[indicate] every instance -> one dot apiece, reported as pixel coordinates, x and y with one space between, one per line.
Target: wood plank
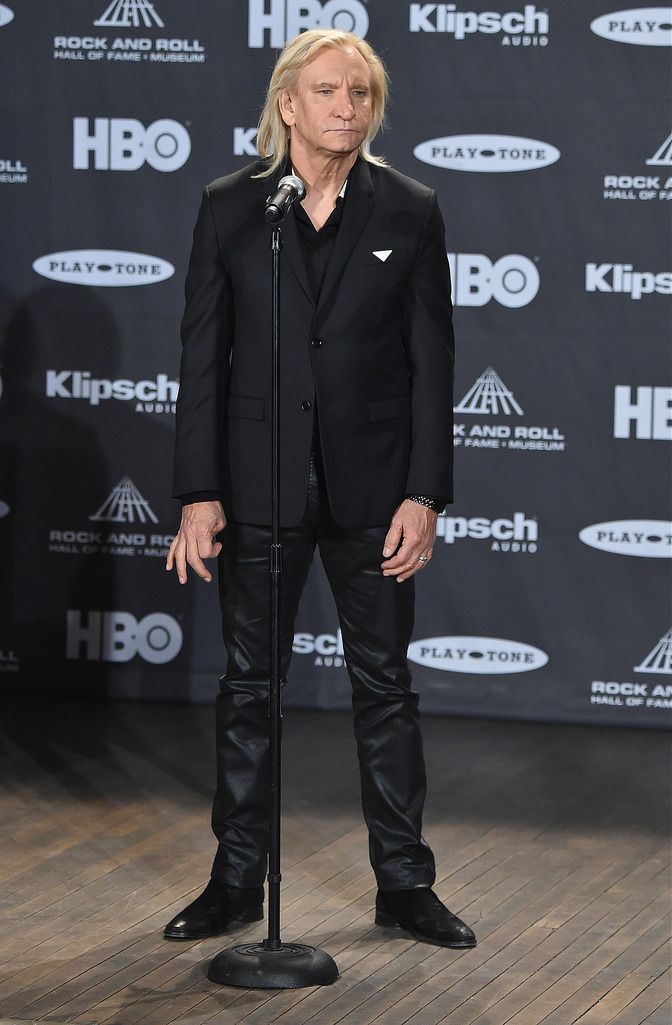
563 881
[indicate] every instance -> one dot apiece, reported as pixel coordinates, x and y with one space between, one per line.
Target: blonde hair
273 133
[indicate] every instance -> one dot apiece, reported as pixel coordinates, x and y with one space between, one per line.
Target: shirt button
316 343
306 406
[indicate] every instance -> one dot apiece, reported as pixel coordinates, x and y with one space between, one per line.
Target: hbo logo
119 636
124 144
513 280
284 19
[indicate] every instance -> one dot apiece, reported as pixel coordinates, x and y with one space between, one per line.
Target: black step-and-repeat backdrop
545 129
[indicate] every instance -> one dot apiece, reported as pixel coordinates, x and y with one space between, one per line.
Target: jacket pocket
247 407
396 408
399 255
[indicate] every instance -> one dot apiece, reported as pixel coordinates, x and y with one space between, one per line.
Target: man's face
329 109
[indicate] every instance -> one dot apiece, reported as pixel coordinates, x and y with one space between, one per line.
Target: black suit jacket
374 355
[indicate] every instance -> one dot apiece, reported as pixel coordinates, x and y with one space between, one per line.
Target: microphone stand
273 964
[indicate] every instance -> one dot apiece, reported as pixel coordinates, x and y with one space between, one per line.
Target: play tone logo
646 539
487 153
119 637
124 144
273 22
644 412
109 268
124 507
489 396
485 656
157 396
643 186
528 27
516 535
642 694
512 280
641 26
127 16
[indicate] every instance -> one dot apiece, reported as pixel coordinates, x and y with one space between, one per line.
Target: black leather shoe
420 912
217 909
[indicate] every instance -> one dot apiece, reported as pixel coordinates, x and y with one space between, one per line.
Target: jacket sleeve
428 338
207 335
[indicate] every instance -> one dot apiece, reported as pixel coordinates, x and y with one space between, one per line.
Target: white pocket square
382 254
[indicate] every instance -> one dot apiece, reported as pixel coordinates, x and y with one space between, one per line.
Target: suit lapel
292 249
357 209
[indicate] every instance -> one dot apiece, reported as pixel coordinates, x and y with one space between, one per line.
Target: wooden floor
552 842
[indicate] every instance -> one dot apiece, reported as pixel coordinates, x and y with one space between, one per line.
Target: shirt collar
341 194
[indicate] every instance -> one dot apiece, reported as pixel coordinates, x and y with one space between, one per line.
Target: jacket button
316 343
306 406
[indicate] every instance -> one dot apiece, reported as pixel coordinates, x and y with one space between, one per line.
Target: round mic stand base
256 966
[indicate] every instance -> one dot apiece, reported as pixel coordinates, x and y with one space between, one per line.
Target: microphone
289 188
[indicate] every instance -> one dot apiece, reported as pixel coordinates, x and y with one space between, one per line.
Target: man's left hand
411 537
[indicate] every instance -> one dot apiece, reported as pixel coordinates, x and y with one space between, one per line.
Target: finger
413 569
407 561
392 539
195 561
405 557
181 558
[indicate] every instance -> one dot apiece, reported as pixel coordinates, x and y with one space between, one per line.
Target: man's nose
344 107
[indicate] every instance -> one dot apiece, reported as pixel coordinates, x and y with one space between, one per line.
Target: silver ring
422 558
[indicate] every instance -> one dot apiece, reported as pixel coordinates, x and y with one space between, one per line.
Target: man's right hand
195 540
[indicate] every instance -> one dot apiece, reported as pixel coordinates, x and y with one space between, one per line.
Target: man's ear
286 108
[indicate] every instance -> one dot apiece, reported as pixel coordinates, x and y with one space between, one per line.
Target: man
366 428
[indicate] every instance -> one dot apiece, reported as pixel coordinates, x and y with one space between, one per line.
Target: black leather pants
376 618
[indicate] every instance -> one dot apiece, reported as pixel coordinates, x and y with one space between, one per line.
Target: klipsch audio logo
273 22
512 280
648 539
643 26
648 694
528 27
489 153
520 533
623 278
6 15
107 267
489 396
486 656
648 411
126 510
124 144
13 172
326 650
128 16
643 186
150 396
244 142
119 637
